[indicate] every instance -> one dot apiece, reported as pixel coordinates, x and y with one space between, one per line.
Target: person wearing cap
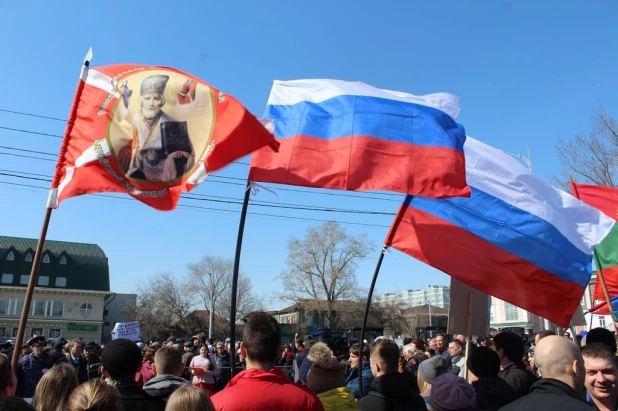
492 392
120 361
31 367
145 157
92 359
187 356
327 379
57 355
389 389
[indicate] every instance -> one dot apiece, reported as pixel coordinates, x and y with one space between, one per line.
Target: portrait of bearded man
160 149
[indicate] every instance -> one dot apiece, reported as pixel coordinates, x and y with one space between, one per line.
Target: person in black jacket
120 361
561 364
57 355
389 389
92 359
492 392
79 363
510 348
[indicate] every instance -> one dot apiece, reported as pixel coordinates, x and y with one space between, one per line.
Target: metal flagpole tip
88 57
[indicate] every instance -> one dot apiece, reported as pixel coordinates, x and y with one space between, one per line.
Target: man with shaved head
561 365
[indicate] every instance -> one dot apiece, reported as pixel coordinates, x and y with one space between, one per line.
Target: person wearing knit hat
428 371
492 392
327 379
120 361
450 392
316 353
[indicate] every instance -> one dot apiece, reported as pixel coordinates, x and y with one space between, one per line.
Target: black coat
81 368
389 391
493 393
519 378
550 394
133 398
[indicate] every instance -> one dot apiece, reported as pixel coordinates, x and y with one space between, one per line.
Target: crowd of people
499 373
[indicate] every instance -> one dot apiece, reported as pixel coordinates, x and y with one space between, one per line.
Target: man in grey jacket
168 367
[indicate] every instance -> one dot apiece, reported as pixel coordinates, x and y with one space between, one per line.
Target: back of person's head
9 403
8 382
95 395
189 398
511 345
543 334
318 351
355 350
326 374
559 358
602 335
429 370
384 357
150 354
53 391
168 360
261 337
121 358
452 393
484 362
419 344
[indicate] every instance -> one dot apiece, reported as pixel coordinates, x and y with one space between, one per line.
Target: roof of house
81 253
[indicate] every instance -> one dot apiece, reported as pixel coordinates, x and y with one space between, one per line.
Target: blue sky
526 71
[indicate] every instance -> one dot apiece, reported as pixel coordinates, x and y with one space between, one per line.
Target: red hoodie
257 390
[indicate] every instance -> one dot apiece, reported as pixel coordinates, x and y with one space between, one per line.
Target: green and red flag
604 199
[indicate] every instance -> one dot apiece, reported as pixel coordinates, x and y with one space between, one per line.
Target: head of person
299 344
602 335
429 370
202 350
261 339
430 352
326 374
539 336
483 362
308 344
150 354
441 342
151 95
189 398
53 391
601 372
8 381
560 359
408 351
95 395
11 403
121 359
455 348
37 345
432 344
220 348
168 361
566 334
510 347
461 338
355 356
384 358
418 344
450 392
76 348
318 351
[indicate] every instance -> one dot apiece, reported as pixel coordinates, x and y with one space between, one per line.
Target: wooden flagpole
468 336
241 230
34 272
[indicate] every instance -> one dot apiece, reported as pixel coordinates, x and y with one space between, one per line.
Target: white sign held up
130 331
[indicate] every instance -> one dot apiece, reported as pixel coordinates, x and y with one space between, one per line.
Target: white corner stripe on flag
319 90
502 176
198 175
100 80
88 156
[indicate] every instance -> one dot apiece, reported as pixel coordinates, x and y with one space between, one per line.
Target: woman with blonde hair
95 395
428 371
316 353
189 398
53 391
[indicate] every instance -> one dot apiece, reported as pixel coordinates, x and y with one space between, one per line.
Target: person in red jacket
262 386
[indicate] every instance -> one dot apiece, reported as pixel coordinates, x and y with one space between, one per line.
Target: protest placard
130 331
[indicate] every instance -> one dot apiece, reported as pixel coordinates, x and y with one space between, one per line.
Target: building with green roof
69 299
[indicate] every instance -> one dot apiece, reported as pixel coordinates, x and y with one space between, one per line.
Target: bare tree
210 277
162 302
321 268
391 317
590 158
246 299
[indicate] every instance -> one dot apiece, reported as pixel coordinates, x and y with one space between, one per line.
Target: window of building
46 259
24 279
43 280
10 306
55 308
10 256
61 281
601 321
39 308
29 257
511 312
86 309
7 278
36 332
63 259
3 333
14 332
4 306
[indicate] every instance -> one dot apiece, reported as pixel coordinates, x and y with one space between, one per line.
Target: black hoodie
550 394
389 390
493 393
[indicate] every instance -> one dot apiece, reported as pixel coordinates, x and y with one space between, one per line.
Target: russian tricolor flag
351 136
515 237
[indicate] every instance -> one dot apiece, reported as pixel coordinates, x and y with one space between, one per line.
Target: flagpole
241 230
468 336
365 316
38 254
